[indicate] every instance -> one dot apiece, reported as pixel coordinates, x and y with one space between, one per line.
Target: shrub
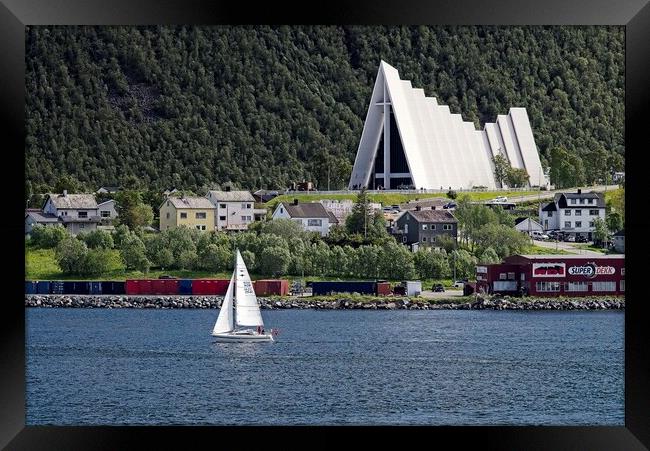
47 237
452 194
70 255
97 239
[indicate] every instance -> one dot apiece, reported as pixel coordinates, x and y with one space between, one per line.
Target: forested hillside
192 107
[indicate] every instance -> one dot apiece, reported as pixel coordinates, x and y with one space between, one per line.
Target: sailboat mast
234 296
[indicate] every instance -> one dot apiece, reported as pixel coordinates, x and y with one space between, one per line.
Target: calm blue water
106 367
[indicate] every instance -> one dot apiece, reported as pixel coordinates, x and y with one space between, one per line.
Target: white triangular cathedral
410 140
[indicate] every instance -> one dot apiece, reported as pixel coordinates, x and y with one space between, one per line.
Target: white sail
225 319
247 309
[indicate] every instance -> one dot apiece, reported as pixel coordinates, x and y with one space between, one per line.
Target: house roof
333 219
432 216
77 201
40 217
106 202
109 188
232 196
550 207
519 220
424 203
306 210
191 202
563 200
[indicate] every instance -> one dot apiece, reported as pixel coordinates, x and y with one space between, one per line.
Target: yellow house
193 212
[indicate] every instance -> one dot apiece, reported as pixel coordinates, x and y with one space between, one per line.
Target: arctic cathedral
408 139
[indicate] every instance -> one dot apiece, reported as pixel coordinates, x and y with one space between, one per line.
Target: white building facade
409 140
312 216
235 209
573 213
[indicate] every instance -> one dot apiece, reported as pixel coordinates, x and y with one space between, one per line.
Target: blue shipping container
185 286
30 287
43 287
68 287
56 287
81 288
112 287
362 287
95 287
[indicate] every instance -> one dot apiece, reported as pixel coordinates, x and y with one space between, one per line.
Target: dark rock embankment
332 303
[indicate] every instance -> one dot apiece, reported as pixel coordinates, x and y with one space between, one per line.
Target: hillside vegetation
192 107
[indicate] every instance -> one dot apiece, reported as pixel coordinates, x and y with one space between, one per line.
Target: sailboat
240 310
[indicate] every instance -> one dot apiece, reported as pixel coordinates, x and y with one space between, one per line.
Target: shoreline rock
338 303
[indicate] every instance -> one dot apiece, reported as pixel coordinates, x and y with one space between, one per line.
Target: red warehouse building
554 275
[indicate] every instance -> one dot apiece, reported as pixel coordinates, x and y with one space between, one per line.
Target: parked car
165 276
449 205
500 199
458 284
438 288
537 235
570 238
581 239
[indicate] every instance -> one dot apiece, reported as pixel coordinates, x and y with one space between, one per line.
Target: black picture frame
633 14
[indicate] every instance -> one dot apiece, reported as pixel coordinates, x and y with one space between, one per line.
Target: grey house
424 227
77 212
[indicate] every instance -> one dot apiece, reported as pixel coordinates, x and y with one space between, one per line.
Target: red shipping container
383 289
278 287
138 286
164 286
210 286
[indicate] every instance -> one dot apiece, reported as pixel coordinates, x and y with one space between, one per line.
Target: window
603 286
590 201
314 222
591 224
222 218
222 205
167 215
578 224
573 201
567 212
406 228
183 215
549 214
432 226
403 238
511 276
83 214
243 206
622 285
82 226
577 286
447 227
547 286
105 214
424 239
281 210
593 212
567 224
503 276
582 201
243 218
248 205
249 218
578 212
201 215
424 226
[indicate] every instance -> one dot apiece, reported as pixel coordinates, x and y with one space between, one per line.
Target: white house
77 212
573 213
527 225
342 208
107 210
235 209
311 215
34 216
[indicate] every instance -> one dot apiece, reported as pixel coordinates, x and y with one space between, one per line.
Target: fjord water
443 367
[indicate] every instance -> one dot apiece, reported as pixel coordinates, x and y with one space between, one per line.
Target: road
567 246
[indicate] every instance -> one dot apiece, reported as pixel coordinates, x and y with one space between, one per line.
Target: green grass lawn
392 198
537 250
590 247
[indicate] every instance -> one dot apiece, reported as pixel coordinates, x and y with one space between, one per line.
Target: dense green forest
195 107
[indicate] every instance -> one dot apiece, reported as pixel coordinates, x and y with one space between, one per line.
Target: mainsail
225 319
247 309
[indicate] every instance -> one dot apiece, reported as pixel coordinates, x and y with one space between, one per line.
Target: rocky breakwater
332 303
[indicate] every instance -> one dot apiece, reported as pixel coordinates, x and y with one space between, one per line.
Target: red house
554 275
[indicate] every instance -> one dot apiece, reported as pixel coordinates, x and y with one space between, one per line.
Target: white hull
229 337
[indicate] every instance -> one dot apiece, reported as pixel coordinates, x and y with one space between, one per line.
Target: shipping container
95 287
164 286
43 287
30 287
413 288
361 287
216 287
110 287
79 287
138 286
185 286
57 287
267 287
383 288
